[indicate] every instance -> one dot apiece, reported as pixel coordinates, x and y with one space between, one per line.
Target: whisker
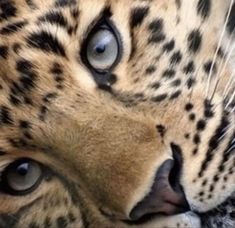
218 47
229 85
230 100
223 66
227 130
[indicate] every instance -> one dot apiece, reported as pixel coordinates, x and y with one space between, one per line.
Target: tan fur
108 152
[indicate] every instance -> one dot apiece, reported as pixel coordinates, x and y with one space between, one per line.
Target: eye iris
21 176
102 50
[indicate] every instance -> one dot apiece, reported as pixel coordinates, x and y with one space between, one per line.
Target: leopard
117 113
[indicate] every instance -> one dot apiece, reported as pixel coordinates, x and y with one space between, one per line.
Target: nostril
174 177
166 196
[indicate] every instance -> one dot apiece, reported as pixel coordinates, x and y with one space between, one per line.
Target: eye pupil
23 169
100 49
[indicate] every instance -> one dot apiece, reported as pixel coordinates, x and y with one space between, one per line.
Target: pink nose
166 196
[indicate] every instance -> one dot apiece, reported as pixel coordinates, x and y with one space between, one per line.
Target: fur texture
101 140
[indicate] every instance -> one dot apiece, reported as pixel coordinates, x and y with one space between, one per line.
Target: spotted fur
102 141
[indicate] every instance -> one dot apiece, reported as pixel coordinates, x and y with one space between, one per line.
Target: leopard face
116 113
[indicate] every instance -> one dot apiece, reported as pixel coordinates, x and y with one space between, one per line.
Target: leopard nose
166 196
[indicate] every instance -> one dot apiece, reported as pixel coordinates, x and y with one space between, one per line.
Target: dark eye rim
106 24
4 185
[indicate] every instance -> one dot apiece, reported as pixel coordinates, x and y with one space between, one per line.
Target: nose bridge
118 160
116 152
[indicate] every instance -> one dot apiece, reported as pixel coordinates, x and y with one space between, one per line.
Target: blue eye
102 50
21 176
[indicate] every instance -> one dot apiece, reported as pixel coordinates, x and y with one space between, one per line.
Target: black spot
204 183
221 53
176 83
16 47
28 100
156 26
208 109
56 69
188 107
169 46
195 151
168 73
14 100
161 130
203 8
201 193
178 3
189 68
16 89
56 18
61 222
139 95
27 75
5 115
156 38
209 66
46 41
24 66
71 217
64 3
27 135
214 142
190 82
194 41
27 82
24 124
156 85
137 16
227 154
12 28
48 97
61 87
215 179
192 116
3 51
175 95
176 58
151 69
196 139
43 111
159 98
201 125
7 9
157 34
31 4
75 13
